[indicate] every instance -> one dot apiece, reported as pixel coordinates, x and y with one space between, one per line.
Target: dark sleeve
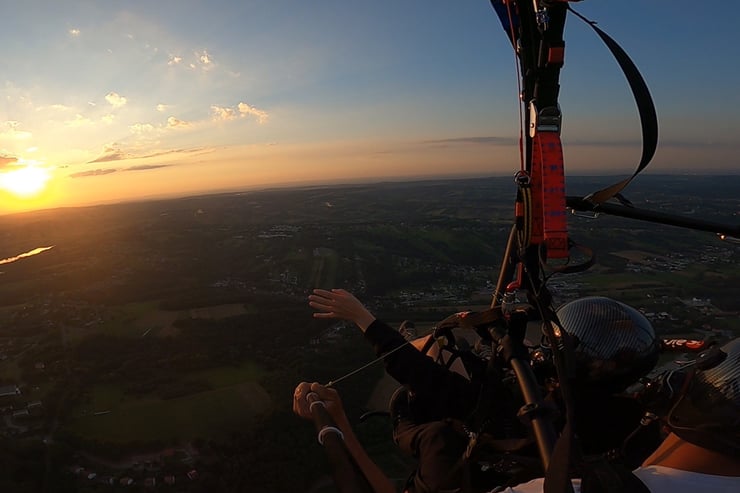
451 392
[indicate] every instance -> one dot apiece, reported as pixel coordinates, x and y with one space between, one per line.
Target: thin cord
519 86
357 370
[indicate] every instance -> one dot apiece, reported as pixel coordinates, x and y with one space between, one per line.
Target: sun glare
25 182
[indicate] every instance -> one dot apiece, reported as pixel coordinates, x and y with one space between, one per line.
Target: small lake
30 253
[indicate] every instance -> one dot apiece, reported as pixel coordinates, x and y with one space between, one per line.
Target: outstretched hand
341 304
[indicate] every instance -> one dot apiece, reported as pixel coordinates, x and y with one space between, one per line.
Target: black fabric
438 446
438 392
604 421
429 412
605 477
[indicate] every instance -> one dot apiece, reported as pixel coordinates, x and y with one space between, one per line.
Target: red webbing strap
534 211
548 180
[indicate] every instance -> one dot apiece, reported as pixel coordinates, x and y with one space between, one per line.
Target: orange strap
549 220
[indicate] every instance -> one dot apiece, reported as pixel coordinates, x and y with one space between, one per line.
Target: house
109 480
9 390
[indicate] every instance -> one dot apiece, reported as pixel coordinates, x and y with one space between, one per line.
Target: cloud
111 152
162 107
221 113
74 32
194 150
205 60
115 99
476 140
93 172
12 132
173 122
174 60
7 161
245 109
55 107
144 167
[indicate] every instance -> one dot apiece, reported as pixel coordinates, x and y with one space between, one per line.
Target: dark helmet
614 344
707 412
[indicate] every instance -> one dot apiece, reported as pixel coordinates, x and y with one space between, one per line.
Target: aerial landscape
159 341
181 181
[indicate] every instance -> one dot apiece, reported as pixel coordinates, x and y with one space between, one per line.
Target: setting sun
25 182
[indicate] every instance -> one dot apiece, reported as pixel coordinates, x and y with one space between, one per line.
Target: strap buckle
548 119
585 214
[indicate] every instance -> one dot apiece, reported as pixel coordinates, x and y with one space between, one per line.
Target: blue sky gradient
120 100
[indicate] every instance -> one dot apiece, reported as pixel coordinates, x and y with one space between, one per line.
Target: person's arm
453 394
379 482
340 304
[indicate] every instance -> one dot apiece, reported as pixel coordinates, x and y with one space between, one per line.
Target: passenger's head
614 344
707 410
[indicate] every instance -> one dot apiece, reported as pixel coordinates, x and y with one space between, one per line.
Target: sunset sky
119 100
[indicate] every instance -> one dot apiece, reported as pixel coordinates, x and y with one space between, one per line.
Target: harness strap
645 107
549 178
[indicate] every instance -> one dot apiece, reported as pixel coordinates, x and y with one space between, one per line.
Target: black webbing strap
645 107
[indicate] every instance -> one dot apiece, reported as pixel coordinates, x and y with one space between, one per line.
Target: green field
232 404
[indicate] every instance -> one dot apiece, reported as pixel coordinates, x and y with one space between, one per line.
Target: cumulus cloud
13 132
173 122
93 172
223 113
74 32
246 110
115 99
108 119
162 107
204 59
174 60
242 110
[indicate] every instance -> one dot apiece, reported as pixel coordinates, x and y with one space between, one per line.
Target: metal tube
544 431
579 204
